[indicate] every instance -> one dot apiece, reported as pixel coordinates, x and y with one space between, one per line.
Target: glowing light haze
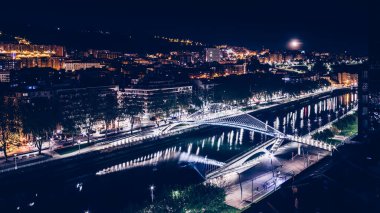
294 44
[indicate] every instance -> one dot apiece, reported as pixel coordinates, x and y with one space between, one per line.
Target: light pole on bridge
151 192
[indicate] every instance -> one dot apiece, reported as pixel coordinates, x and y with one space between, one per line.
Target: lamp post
15 161
151 192
79 146
241 187
252 190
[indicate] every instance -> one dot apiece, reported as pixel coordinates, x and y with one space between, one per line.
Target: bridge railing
236 157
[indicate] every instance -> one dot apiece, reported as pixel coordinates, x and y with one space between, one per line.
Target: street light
78 146
151 192
15 161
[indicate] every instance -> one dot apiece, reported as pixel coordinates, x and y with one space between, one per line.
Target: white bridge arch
229 116
226 115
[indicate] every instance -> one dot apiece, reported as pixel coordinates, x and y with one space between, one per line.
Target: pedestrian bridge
252 156
245 160
225 115
237 120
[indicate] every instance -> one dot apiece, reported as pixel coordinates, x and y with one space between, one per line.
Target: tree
161 107
194 198
38 120
71 115
183 102
91 106
319 67
110 110
168 107
131 108
9 124
196 100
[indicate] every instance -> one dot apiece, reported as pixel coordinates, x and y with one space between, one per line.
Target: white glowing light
294 44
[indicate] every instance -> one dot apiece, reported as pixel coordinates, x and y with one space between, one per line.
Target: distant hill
86 39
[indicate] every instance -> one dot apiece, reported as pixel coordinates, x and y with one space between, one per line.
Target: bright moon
294 44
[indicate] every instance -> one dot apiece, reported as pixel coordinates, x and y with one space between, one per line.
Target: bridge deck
238 161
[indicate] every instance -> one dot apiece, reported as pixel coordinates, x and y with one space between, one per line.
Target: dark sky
335 25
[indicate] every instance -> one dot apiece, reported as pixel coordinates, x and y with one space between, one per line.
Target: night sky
332 25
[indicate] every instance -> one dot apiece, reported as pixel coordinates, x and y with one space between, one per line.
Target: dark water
116 186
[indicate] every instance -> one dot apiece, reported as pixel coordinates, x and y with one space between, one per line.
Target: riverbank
172 161
146 136
338 130
266 177
345 182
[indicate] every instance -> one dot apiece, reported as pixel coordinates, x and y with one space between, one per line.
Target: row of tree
35 120
239 89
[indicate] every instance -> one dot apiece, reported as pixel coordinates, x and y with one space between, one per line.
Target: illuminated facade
25 50
154 93
4 76
348 79
53 62
25 55
7 63
213 55
234 69
77 65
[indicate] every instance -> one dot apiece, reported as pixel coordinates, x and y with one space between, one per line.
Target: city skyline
336 26
189 106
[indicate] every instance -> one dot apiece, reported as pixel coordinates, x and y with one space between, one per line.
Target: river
182 160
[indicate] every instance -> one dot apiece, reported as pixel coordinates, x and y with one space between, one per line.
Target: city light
185 112
294 44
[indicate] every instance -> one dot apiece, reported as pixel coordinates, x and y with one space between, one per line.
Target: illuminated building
143 61
153 92
213 55
234 69
4 76
53 62
264 59
276 58
25 55
369 92
348 79
104 54
186 59
7 63
78 65
25 50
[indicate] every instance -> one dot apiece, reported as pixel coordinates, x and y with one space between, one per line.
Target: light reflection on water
180 161
229 142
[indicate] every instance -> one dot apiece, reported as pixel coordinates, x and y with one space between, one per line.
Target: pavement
256 183
267 176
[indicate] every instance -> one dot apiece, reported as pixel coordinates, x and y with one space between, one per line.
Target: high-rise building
4 76
369 89
78 65
7 63
213 55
